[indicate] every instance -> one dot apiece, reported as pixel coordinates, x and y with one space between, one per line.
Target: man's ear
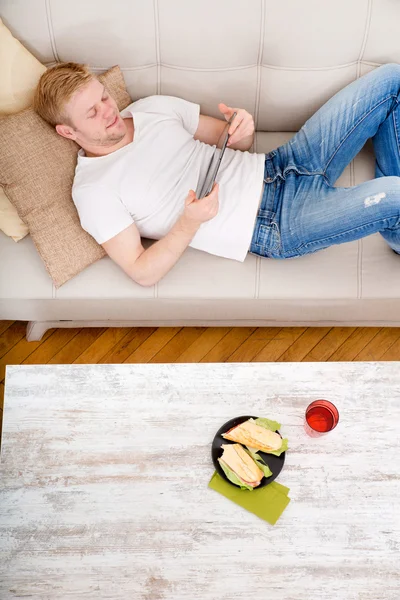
66 131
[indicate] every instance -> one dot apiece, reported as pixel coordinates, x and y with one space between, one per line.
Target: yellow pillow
20 72
10 223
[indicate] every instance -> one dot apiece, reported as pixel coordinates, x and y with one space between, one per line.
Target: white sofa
280 61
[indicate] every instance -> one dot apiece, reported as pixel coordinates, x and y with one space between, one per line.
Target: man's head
73 100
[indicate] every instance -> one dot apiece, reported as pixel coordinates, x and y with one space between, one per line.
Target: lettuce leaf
233 477
283 448
259 462
267 423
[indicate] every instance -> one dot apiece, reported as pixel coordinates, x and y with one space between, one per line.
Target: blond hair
56 87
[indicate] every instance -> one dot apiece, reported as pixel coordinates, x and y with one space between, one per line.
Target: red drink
322 416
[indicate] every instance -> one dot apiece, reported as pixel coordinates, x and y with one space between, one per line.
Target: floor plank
49 348
132 340
329 344
178 344
228 344
393 353
11 336
206 342
153 344
76 345
279 344
254 344
355 343
377 347
5 325
102 345
304 344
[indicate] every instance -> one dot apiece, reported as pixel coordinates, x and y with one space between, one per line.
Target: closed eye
95 112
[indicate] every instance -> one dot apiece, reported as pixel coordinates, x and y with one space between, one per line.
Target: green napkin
268 502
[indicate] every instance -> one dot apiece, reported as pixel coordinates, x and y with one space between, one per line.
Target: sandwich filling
240 462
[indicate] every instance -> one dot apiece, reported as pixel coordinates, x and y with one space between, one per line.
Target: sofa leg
35 330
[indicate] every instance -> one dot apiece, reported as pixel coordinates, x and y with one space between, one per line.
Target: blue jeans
301 211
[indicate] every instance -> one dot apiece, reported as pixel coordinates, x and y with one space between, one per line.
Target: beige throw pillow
37 168
20 72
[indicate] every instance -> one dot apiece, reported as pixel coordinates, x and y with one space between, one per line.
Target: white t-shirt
147 181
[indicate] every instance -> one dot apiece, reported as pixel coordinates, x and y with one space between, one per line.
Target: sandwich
239 466
254 436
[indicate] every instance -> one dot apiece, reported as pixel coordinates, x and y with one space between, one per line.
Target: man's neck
103 150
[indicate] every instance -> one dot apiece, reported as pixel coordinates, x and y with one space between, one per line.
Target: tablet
211 174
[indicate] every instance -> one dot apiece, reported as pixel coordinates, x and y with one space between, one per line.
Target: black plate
275 463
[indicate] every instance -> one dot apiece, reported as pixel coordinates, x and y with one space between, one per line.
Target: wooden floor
194 344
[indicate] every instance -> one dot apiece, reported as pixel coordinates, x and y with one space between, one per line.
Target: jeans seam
351 131
395 131
306 174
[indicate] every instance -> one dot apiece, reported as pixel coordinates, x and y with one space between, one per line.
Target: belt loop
269 168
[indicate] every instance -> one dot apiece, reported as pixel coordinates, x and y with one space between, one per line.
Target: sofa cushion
19 73
380 265
37 168
22 272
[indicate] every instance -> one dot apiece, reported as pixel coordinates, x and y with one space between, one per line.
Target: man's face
94 117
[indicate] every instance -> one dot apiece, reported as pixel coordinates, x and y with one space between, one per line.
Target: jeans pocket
269 238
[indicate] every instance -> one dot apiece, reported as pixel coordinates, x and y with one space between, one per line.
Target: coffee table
104 474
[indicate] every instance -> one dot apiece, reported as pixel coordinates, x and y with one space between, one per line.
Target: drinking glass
321 416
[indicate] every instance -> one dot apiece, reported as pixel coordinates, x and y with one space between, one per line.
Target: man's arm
209 129
147 267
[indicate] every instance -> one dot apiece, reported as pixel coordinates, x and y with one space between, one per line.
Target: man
134 171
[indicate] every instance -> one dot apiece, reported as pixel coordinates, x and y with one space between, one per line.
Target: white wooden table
104 477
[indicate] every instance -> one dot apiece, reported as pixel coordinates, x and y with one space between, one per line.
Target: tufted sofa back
279 60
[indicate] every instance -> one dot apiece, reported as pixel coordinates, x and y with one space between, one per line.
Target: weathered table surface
104 474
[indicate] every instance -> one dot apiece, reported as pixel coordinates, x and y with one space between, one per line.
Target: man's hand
241 129
198 211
